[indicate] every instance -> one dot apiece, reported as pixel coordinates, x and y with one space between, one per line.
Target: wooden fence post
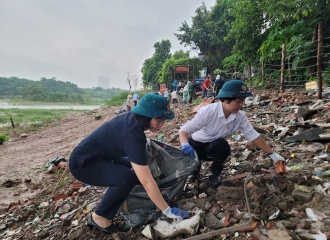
319 58
12 122
283 67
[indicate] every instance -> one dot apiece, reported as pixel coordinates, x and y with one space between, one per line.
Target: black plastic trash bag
170 170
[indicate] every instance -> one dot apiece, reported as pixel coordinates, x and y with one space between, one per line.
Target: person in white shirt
136 98
206 133
166 93
174 97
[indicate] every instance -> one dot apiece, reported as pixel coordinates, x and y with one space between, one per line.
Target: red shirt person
206 84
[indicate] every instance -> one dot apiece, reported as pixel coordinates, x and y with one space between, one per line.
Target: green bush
3 138
121 98
118 100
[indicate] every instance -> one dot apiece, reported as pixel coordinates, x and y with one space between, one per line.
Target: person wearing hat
114 156
206 133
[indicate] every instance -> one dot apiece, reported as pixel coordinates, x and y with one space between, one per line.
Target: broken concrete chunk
302 193
312 134
305 113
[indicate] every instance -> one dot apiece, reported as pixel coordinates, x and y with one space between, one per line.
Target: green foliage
326 75
10 86
151 67
197 101
52 90
53 85
121 98
220 72
168 68
207 34
180 54
3 138
239 34
257 83
118 100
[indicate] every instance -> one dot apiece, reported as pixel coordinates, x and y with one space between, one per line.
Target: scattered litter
311 215
275 214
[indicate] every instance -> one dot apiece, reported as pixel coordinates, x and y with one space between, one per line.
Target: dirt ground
23 159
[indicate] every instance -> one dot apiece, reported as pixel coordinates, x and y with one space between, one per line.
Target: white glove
276 157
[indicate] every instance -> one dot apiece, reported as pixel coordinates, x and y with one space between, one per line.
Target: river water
6 105
72 107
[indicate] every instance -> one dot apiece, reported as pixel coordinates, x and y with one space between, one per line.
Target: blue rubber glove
188 150
176 213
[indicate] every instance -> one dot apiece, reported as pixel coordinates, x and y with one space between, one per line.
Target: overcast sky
79 40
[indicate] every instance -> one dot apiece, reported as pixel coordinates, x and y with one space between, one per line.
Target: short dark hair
228 99
143 120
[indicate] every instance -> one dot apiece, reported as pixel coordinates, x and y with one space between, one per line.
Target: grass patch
22 116
30 119
121 98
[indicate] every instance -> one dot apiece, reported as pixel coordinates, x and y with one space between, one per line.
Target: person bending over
114 156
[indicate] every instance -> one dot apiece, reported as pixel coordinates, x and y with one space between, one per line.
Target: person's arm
211 85
263 145
144 175
183 137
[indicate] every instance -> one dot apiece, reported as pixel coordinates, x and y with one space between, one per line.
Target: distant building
103 82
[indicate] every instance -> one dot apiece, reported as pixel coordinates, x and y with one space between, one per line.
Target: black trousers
115 174
216 151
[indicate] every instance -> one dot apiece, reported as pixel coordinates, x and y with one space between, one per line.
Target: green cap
234 89
154 105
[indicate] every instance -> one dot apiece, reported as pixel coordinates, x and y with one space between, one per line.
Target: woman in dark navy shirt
114 156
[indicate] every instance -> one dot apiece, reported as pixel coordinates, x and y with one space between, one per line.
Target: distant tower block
103 82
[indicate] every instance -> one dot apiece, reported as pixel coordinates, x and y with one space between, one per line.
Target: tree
180 54
152 67
34 92
247 33
130 81
207 33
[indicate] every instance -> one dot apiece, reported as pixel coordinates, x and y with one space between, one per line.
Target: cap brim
168 116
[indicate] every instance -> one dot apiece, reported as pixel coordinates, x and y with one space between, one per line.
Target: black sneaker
215 179
108 230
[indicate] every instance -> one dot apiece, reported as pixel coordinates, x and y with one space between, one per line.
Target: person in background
129 102
136 98
191 88
206 85
174 85
166 93
206 133
114 156
185 93
218 83
174 97
179 86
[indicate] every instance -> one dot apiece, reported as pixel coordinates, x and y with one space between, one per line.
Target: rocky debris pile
294 205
